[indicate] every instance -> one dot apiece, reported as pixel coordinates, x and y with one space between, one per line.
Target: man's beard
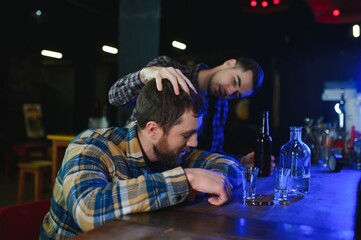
164 155
210 90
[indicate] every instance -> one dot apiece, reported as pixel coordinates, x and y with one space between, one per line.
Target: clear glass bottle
296 155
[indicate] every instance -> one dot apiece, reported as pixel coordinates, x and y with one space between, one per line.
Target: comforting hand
207 181
248 160
174 75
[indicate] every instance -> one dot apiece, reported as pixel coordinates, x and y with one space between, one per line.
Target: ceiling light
179 45
111 50
52 54
356 31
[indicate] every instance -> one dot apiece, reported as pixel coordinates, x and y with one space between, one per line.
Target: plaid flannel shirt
104 176
127 88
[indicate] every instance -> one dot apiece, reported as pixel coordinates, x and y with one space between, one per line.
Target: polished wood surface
326 212
58 146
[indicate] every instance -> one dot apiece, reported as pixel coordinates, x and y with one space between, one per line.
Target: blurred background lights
179 45
109 49
339 112
264 4
38 12
52 54
356 31
336 12
337 108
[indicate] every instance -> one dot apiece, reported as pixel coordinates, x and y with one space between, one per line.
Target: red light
253 3
276 2
336 12
264 4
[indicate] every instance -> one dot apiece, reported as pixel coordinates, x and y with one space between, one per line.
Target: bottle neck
264 128
295 133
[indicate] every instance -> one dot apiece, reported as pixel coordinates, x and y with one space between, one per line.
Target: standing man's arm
126 89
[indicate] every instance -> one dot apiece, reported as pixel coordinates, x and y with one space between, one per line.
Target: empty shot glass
249 176
281 177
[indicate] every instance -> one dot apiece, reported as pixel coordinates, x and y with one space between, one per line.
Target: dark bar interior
306 48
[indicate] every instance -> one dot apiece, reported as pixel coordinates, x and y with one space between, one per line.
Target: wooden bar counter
326 212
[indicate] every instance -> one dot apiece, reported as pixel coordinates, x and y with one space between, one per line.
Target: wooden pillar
85 63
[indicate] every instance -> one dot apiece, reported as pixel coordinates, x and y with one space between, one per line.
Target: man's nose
231 90
192 141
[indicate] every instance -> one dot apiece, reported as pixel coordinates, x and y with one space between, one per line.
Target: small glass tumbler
249 176
281 177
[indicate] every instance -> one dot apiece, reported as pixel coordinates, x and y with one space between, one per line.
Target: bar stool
38 168
23 152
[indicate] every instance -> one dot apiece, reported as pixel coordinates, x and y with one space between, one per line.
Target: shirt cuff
177 185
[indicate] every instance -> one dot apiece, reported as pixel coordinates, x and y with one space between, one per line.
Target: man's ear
153 130
230 62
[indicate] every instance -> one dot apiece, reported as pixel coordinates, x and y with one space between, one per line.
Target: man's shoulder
163 60
113 134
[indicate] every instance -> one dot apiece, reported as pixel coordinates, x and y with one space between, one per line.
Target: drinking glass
281 177
249 176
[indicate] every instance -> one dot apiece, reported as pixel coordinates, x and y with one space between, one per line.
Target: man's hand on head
175 76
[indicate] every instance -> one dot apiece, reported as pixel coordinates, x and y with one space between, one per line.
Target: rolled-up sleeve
226 165
125 90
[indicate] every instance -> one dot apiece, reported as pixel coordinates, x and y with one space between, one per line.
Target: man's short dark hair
164 107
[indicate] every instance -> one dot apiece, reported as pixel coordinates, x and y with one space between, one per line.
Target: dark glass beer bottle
263 152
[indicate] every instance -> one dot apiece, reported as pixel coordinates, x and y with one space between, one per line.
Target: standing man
150 164
235 78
